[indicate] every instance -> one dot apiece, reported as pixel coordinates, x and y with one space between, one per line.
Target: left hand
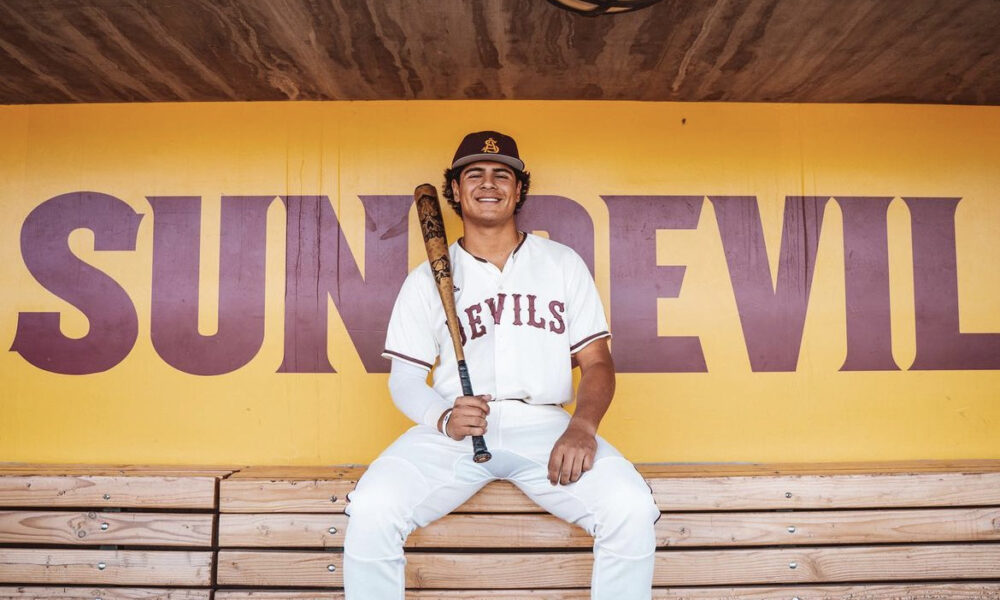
573 454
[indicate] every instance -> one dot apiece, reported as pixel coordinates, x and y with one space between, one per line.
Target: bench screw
81 534
793 565
333 498
791 529
332 530
331 568
101 566
107 496
788 494
104 526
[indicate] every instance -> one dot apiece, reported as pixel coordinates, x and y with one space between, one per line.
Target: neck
493 244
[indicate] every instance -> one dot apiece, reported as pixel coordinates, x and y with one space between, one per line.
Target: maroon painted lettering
866 273
637 281
319 265
475 323
557 325
114 325
772 314
940 344
532 320
564 220
517 309
496 307
176 250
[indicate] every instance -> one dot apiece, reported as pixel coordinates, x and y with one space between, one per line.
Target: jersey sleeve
584 310
410 336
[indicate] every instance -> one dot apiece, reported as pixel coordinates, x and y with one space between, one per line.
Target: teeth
489 199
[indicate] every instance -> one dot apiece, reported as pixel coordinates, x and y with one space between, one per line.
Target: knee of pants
377 526
380 509
626 526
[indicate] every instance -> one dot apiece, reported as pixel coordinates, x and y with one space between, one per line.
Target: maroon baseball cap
488 145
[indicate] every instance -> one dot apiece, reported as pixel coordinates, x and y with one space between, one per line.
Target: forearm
594 394
412 395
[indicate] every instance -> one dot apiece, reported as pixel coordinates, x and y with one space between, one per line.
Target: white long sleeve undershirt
411 394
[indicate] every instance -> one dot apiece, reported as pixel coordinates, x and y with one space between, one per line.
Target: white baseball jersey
520 325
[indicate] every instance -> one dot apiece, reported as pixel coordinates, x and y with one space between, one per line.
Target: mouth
488 199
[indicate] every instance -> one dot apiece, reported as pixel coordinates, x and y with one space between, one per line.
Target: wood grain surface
913 591
672 530
690 50
99 491
100 528
676 567
121 567
723 487
108 593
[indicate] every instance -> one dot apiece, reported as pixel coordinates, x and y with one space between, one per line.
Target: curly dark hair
523 177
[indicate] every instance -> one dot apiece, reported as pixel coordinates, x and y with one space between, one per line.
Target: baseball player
529 313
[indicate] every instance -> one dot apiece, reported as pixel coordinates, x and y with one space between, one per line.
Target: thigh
421 476
612 477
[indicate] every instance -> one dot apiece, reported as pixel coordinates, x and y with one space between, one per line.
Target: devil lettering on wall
320 266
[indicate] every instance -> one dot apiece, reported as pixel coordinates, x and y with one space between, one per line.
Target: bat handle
480 454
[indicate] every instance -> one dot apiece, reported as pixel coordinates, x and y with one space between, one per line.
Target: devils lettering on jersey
531 313
497 304
496 307
557 317
475 324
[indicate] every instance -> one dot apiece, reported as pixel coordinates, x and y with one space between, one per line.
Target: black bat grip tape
480 452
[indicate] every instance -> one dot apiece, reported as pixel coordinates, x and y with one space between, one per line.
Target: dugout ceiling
921 51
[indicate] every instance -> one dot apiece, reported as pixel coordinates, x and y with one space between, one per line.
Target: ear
454 189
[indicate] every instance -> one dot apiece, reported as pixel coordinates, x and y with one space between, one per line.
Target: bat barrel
436 243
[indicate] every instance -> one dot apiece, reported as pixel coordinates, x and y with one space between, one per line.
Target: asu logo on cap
487 145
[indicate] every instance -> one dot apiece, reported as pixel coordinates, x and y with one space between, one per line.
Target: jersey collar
480 259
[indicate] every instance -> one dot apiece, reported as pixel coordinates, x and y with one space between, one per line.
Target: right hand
468 416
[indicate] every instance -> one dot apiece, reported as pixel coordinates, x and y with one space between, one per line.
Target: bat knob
481 457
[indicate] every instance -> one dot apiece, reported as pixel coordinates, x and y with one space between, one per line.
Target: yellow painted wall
144 411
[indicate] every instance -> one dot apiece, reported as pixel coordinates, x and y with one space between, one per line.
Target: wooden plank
826 491
121 567
451 531
293 472
98 491
911 591
74 527
673 529
115 469
672 493
828 527
831 468
284 495
288 472
677 567
278 568
108 593
282 530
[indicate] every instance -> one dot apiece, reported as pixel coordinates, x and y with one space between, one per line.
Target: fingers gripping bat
436 244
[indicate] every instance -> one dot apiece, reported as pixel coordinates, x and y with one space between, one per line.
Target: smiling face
488 192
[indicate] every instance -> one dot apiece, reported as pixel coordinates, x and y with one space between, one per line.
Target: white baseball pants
424 475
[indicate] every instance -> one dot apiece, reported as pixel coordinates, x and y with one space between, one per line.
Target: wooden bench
105 525
879 531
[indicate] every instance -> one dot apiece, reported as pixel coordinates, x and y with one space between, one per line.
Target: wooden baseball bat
436 244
